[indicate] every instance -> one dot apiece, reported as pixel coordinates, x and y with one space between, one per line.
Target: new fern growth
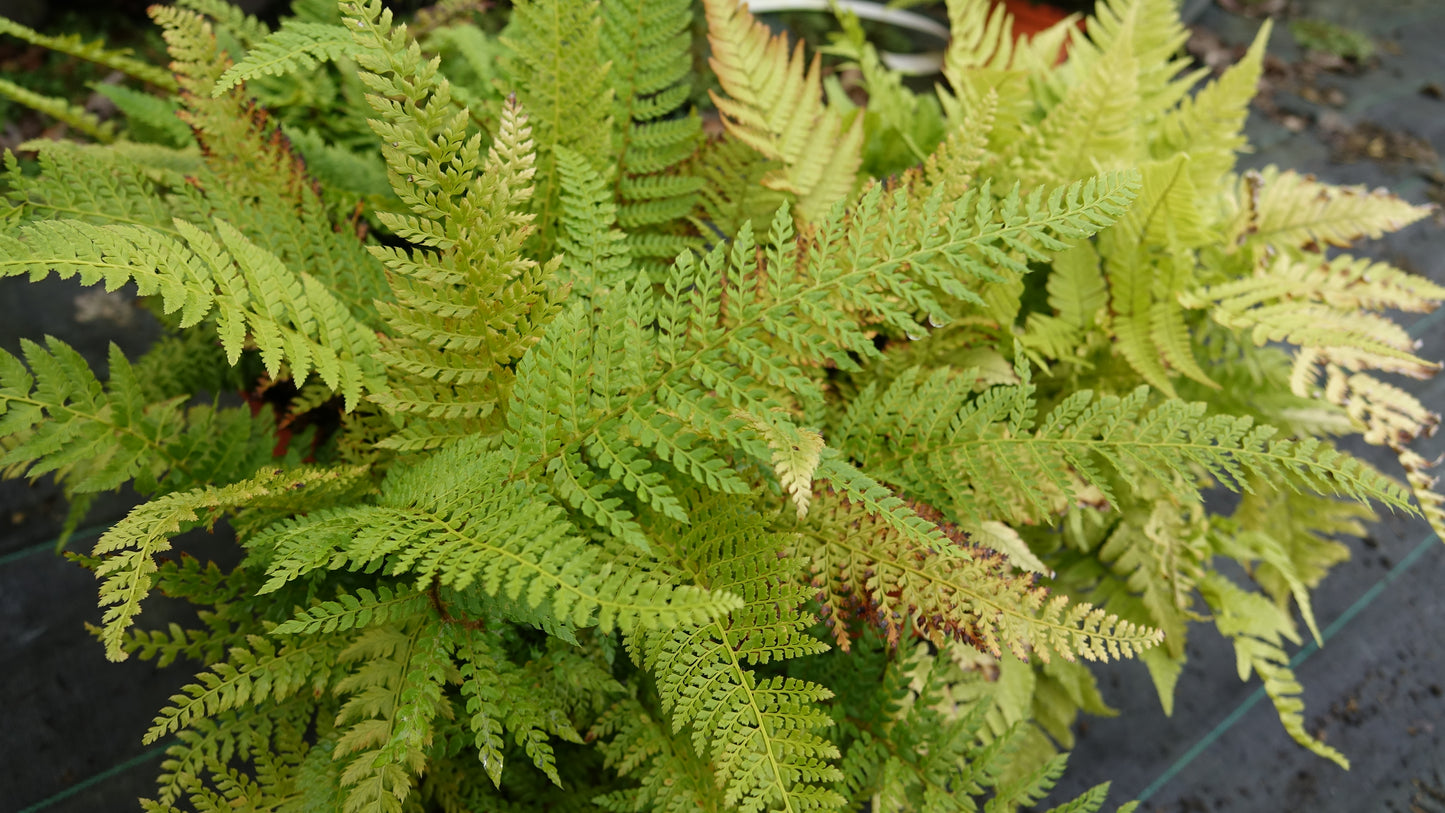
637 468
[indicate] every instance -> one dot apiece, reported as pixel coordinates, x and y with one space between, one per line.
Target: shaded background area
1376 690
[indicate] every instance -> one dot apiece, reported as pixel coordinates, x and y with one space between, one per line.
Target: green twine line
143 757
53 545
1309 649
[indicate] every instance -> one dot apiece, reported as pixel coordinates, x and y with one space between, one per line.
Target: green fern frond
672 779
595 253
555 50
757 732
251 674
295 47
1077 290
387 724
504 536
774 104
72 45
1160 554
291 317
252 179
466 304
1097 118
982 37
365 608
129 548
733 192
1258 628
230 18
649 46
59 109
98 187
1209 125
955 163
1007 464
341 169
148 117
1153 34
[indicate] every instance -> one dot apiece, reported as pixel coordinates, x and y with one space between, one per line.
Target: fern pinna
645 470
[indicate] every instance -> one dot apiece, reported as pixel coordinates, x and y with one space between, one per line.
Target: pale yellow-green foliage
773 102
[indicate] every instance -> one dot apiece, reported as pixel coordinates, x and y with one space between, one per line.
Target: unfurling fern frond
467 304
756 731
774 104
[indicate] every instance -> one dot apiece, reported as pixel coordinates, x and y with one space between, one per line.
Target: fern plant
630 468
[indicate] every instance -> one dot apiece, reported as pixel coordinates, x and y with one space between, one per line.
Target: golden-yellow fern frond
774 104
1285 208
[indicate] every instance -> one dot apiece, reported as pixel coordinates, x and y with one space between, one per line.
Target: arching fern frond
294 47
1321 305
1258 629
1006 463
60 109
73 45
251 674
1283 208
291 317
129 548
870 572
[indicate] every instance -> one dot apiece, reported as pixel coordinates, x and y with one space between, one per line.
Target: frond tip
869 570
